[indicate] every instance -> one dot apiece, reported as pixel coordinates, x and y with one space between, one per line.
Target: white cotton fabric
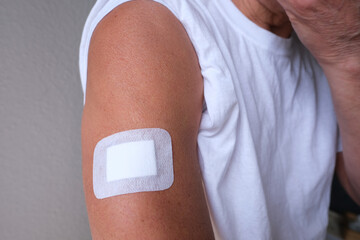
268 135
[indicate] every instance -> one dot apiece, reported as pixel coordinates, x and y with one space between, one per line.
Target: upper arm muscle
342 176
143 73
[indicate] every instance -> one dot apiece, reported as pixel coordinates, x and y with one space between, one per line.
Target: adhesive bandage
133 161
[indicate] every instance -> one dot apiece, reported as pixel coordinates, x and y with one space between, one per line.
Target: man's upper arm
143 73
343 178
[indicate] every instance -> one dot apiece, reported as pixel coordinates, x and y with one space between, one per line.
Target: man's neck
272 20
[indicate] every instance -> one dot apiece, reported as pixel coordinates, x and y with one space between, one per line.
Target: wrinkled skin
330 29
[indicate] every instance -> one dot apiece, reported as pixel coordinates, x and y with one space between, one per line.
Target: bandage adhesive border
164 174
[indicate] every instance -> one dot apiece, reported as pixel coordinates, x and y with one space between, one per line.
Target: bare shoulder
140 30
140 17
143 73
145 44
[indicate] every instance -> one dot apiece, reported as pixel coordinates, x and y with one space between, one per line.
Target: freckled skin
144 73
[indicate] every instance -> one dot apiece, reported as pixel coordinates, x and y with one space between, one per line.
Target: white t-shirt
268 134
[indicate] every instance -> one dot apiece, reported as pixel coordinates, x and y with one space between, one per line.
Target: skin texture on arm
143 73
342 176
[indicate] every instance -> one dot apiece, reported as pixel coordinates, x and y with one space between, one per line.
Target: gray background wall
41 195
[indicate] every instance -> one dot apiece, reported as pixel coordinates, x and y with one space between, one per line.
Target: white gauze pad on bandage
132 161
